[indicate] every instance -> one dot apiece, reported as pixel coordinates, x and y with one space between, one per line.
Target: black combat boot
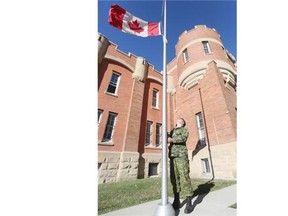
188 209
176 202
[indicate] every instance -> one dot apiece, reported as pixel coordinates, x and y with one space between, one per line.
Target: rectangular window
113 85
100 112
185 56
201 128
155 98
158 134
206 47
148 133
153 169
205 166
109 129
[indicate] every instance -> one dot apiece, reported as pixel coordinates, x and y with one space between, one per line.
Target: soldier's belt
180 143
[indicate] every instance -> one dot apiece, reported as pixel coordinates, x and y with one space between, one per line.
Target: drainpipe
208 142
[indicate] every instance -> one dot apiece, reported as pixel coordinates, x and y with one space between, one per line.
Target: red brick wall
134 101
134 118
119 104
219 100
153 81
151 114
218 120
188 104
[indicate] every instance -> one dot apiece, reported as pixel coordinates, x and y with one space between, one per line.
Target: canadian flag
126 22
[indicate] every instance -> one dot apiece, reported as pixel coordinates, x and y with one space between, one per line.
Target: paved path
214 203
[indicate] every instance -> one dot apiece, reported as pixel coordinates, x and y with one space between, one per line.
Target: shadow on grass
201 191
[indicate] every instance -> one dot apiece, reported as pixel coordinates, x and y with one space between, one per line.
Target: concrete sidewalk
214 203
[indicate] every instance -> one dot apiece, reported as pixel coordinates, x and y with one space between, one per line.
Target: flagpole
164 208
164 116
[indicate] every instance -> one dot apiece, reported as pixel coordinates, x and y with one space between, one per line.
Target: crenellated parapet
139 66
103 44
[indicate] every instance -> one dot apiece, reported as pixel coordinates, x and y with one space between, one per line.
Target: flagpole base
164 210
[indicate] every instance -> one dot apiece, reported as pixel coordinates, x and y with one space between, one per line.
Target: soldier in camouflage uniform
179 165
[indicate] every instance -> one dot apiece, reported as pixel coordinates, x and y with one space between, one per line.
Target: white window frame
185 55
155 98
116 85
206 47
201 128
148 134
158 135
104 139
205 166
100 114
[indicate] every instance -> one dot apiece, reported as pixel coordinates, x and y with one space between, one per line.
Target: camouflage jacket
178 147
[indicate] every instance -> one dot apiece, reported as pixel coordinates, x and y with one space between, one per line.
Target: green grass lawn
114 196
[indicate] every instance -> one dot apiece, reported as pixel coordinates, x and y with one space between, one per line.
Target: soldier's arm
181 137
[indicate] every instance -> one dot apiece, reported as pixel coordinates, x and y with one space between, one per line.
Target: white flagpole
164 117
164 208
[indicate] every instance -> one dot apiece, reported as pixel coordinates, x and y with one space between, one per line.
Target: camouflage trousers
179 175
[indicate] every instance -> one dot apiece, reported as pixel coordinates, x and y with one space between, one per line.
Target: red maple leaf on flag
134 26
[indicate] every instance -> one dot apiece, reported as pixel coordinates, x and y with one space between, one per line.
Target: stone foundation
145 160
223 159
108 165
128 166
116 166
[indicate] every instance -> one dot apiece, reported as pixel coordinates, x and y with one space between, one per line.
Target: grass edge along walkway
117 195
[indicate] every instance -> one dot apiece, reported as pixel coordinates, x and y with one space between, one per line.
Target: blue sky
181 16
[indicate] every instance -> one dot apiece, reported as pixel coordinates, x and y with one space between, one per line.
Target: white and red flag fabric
126 22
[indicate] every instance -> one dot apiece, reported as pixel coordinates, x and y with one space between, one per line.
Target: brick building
201 89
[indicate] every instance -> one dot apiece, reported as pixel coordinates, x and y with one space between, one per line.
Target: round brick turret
192 60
